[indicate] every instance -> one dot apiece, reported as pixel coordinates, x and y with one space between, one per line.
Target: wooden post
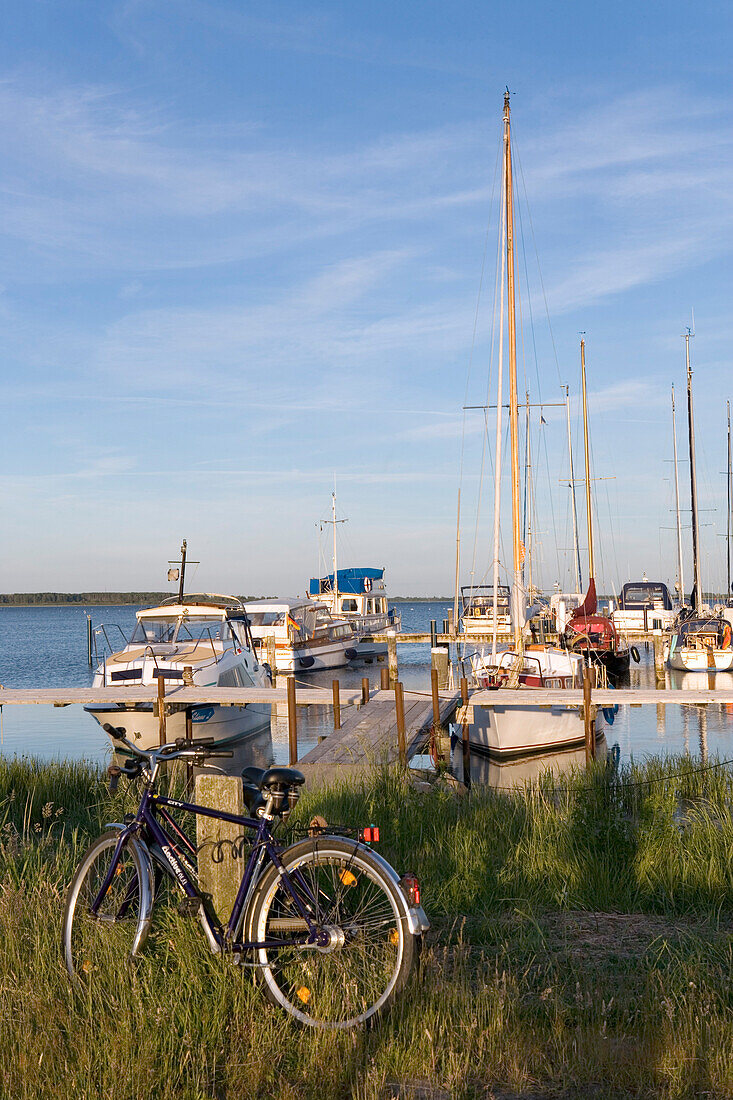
336 705
272 657
364 690
384 679
433 634
445 626
465 744
219 842
161 710
439 660
292 722
658 655
435 739
451 624
589 723
392 657
399 700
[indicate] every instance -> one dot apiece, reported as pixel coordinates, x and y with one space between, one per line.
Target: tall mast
693 484
680 571
527 534
335 559
728 526
589 513
576 547
497 457
517 588
727 595
458 564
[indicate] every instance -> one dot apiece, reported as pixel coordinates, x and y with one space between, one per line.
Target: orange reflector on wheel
347 878
394 937
303 993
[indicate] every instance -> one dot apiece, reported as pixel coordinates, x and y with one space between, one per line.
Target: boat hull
228 726
700 660
522 730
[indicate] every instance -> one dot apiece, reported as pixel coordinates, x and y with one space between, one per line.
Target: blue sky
242 247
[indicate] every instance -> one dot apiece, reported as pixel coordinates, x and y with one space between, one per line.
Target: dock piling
435 739
433 633
588 720
399 699
336 705
272 657
384 679
89 639
364 690
439 660
292 723
392 657
658 655
465 743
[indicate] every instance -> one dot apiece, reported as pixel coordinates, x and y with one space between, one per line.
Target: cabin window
232 678
349 605
266 618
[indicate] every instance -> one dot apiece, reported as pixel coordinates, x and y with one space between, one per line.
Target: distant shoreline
132 599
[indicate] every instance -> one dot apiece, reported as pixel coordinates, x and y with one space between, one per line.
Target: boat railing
100 652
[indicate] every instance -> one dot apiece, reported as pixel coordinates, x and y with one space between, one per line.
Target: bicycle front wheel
369 952
99 932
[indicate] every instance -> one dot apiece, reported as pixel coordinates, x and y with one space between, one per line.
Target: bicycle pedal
189 907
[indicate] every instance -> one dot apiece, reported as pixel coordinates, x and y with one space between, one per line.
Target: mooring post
437 754
272 657
658 655
589 724
439 660
364 690
219 842
399 700
465 744
392 657
336 704
89 639
451 624
292 722
433 634
384 679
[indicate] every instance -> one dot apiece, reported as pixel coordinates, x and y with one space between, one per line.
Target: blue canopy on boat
350 581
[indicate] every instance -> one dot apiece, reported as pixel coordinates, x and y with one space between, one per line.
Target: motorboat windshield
169 630
480 600
637 595
708 632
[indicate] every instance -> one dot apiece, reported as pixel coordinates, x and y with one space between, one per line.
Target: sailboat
702 642
516 730
588 632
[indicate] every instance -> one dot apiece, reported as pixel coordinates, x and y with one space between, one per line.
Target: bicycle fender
417 921
147 885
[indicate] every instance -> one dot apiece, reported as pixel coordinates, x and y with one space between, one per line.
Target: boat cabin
706 633
637 595
591 632
477 608
359 591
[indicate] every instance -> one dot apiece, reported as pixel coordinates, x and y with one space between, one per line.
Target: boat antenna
334 521
693 481
680 570
179 574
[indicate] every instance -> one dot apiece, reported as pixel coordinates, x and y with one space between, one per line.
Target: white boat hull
521 730
700 660
228 726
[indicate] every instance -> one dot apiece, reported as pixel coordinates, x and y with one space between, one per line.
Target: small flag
291 622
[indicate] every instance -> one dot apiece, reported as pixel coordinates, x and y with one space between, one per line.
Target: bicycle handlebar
202 748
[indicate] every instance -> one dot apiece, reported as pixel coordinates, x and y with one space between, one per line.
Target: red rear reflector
411 888
370 834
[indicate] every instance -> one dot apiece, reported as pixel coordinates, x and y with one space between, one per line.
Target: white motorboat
359 597
701 644
520 730
200 639
300 635
644 605
477 610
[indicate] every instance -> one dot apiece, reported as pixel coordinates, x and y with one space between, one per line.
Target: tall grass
581 938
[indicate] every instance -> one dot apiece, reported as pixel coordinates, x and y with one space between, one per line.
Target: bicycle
327 925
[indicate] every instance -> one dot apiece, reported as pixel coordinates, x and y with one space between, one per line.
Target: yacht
359 597
477 609
644 605
200 639
702 644
300 634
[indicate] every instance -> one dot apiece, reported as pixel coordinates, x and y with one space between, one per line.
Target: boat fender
726 636
635 654
609 713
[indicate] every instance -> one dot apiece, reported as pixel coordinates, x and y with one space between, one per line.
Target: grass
581 946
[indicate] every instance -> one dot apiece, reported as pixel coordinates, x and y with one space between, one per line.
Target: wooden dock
369 737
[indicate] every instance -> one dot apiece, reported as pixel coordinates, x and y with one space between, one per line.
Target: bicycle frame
168 854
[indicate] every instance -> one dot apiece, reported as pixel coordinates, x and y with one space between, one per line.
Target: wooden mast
680 568
576 547
517 610
693 484
589 513
727 526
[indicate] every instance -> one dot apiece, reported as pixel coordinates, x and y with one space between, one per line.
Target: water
46 647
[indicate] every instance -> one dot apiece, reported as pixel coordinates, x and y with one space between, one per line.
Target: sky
248 253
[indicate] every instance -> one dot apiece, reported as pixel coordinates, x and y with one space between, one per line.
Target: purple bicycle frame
263 846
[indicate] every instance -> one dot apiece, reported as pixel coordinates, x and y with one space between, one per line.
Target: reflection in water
518 772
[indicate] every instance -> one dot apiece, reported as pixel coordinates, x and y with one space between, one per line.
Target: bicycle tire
119 930
349 983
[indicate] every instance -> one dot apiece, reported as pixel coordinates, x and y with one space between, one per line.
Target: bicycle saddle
276 778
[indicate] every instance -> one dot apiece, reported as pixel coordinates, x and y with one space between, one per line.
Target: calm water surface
46 647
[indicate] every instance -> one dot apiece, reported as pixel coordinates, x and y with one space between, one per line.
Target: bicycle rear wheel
93 941
370 953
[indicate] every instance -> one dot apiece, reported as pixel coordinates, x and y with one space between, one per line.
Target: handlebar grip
222 754
118 732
